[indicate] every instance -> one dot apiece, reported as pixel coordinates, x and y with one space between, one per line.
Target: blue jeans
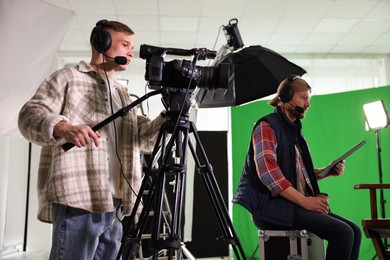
343 236
82 235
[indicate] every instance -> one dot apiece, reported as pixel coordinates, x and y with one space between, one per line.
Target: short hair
114 25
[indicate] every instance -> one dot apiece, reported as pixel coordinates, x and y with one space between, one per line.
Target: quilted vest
253 195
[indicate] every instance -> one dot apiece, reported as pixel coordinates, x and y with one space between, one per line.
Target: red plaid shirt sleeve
264 145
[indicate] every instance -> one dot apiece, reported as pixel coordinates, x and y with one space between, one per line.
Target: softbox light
376 115
257 73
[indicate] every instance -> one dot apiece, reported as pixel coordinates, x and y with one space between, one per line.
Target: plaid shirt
265 144
80 177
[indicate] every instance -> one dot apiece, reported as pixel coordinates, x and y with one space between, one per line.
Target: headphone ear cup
286 94
102 39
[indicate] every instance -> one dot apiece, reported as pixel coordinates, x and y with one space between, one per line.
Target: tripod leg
181 172
155 195
134 239
214 193
158 209
131 241
173 243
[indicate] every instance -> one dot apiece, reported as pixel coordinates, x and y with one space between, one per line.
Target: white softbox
31 33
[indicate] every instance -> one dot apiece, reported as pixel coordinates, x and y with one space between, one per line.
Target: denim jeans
81 235
343 236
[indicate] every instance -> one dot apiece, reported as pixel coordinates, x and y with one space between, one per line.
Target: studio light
376 119
257 72
376 115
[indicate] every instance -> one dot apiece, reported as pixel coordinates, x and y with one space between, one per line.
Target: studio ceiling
285 26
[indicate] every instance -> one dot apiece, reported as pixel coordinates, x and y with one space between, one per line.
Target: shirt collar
84 67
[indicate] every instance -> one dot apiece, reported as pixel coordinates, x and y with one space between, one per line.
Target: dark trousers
343 236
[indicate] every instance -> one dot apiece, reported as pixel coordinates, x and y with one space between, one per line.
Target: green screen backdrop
333 124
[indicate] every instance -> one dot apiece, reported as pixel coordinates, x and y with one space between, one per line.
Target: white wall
38 233
14 173
14 161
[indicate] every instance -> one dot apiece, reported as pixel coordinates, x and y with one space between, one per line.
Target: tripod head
177 101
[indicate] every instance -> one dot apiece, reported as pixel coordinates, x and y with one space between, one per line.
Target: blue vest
252 194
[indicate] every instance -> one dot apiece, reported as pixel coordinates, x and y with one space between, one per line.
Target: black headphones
101 40
287 92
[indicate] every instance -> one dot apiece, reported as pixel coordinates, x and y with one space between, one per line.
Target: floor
24 255
43 256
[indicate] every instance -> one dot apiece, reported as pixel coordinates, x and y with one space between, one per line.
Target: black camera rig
183 73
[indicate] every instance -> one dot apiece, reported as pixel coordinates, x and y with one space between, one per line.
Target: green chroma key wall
333 124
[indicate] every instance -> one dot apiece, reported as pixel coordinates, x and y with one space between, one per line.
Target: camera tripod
174 132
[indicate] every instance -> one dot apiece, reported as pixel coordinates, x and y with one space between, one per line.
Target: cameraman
81 190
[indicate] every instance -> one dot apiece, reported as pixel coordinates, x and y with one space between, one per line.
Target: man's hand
318 204
79 135
338 169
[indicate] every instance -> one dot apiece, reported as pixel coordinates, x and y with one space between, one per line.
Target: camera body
182 73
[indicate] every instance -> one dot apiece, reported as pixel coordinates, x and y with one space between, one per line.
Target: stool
298 245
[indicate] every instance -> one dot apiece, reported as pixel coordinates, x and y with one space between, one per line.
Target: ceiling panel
373 25
258 24
99 7
137 8
179 24
323 39
335 25
313 49
308 9
184 8
350 9
381 9
297 25
267 9
383 40
358 39
144 23
218 8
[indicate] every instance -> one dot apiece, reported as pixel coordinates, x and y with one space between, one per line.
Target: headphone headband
101 39
287 92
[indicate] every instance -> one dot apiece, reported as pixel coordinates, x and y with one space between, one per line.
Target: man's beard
297 114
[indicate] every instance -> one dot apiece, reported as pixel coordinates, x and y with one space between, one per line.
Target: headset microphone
120 60
298 109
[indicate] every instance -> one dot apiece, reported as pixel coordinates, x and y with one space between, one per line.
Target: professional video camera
183 73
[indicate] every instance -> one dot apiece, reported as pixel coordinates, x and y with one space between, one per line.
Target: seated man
279 182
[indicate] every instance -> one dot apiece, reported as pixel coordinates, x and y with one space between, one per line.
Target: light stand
378 148
376 119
